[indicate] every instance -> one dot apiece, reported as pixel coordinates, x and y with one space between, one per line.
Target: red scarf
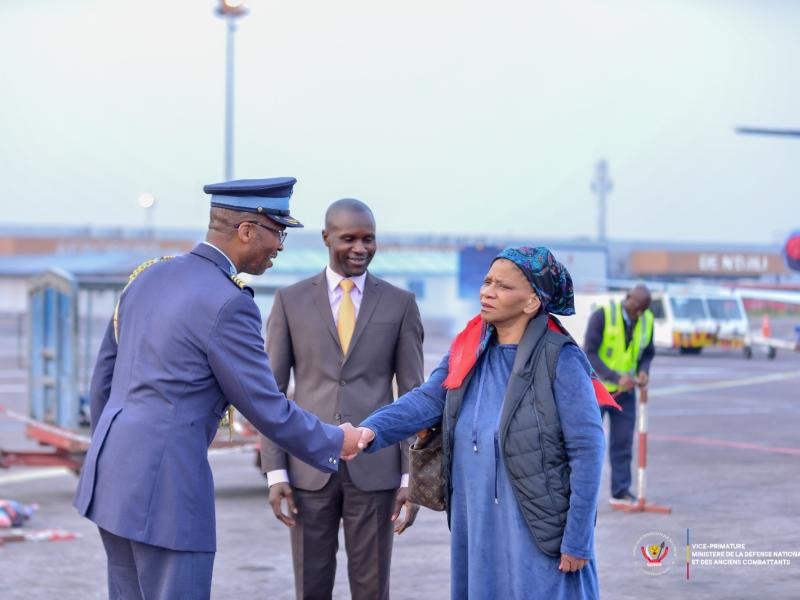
464 353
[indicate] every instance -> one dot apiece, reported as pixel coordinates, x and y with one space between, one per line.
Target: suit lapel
372 295
320 293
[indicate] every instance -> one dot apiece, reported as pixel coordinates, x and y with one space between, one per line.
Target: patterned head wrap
552 283
549 278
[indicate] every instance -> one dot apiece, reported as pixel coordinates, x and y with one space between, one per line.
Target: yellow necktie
347 315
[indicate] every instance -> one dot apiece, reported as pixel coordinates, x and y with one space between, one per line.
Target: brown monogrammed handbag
426 486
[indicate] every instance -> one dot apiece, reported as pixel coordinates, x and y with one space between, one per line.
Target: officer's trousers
138 571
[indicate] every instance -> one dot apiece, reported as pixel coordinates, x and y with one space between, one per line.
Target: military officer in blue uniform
184 343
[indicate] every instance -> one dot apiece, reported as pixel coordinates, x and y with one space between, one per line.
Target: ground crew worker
619 344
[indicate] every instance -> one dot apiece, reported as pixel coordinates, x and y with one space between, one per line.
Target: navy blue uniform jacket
189 343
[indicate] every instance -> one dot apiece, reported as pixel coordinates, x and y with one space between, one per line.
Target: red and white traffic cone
766 328
641 505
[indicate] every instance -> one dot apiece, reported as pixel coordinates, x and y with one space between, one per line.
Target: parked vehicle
691 319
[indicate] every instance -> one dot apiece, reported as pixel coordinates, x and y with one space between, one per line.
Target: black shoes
624 498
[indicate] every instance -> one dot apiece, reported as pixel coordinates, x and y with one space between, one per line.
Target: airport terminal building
443 271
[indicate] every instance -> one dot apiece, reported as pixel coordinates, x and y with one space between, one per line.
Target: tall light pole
601 186
230 10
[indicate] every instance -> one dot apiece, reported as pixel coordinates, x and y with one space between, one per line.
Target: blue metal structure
53 300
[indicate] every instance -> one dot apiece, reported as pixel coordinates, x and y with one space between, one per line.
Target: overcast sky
444 116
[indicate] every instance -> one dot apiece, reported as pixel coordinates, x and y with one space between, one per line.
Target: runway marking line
717 385
721 385
34 475
701 441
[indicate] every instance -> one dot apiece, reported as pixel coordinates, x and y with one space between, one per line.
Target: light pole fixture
230 10
147 201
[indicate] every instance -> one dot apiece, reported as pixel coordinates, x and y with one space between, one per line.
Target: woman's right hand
570 564
367 435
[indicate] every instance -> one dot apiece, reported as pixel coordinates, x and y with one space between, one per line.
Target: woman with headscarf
522 438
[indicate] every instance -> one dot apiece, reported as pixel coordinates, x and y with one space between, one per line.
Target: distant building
701 262
31 241
443 271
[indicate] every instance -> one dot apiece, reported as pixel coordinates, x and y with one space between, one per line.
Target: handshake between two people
356 439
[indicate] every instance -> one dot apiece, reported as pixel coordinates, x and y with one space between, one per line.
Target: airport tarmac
723 454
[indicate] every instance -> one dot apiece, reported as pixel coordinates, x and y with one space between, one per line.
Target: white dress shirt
232 270
335 294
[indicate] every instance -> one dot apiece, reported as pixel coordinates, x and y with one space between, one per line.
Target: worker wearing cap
184 343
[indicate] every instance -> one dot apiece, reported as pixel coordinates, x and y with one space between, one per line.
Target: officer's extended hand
277 493
365 436
626 382
570 564
350 447
412 509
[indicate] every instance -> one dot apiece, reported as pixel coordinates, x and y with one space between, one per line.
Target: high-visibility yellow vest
613 351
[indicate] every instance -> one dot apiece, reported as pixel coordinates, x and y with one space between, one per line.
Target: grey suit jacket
387 342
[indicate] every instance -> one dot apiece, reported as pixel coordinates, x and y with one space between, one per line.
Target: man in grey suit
184 343
347 335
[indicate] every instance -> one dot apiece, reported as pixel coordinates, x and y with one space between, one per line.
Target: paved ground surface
724 454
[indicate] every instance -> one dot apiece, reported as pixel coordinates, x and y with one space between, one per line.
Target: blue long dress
493 552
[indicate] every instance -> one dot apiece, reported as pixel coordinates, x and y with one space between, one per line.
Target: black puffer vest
530 436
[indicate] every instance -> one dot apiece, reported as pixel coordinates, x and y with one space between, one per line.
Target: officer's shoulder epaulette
134 274
241 284
145 265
